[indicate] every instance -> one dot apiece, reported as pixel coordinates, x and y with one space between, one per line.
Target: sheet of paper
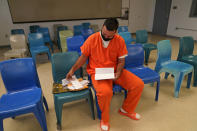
104 73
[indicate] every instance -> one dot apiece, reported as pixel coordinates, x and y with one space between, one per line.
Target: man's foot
134 116
104 126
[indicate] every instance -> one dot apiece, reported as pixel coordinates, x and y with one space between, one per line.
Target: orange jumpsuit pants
104 92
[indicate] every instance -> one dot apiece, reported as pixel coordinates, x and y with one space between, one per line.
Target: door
161 16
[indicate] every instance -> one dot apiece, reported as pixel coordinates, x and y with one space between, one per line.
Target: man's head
109 29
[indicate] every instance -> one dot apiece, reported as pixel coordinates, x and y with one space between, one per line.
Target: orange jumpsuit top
101 57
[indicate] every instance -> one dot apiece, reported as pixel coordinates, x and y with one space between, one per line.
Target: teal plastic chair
46 36
176 68
127 37
142 37
61 64
123 29
86 25
186 55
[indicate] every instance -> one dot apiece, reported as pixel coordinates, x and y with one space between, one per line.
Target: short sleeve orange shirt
101 57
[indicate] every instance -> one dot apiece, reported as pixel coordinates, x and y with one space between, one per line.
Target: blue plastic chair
74 43
123 29
61 64
186 55
60 28
127 37
134 63
37 45
77 29
176 68
46 36
17 31
86 33
24 94
34 28
142 38
86 25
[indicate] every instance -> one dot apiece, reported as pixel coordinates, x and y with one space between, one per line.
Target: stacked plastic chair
46 36
186 55
134 63
24 94
86 33
123 29
17 31
77 29
37 45
19 47
176 68
60 28
61 64
94 27
86 25
63 36
34 28
55 26
74 43
142 37
127 37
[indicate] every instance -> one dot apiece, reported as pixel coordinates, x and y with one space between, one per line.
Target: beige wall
140 17
180 18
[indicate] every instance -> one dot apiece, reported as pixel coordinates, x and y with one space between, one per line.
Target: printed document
104 73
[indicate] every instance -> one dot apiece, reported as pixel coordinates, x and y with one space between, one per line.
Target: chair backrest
35 40
77 29
45 33
18 42
19 74
61 65
186 46
34 28
74 43
126 36
60 28
17 31
95 27
86 25
141 36
63 35
86 33
163 53
123 29
55 26
135 56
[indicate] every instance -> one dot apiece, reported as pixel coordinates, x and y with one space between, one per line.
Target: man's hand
69 75
82 59
117 75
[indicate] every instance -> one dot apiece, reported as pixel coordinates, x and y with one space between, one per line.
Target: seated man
107 49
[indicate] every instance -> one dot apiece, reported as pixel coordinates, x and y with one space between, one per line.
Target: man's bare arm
120 66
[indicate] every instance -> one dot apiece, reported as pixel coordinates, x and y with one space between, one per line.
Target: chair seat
21 100
149 46
191 59
39 49
16 53
146 74
74 95
176 67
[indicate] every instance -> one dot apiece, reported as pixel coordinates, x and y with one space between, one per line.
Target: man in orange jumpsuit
108 49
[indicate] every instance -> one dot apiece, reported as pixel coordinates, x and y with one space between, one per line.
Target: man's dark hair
111 24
